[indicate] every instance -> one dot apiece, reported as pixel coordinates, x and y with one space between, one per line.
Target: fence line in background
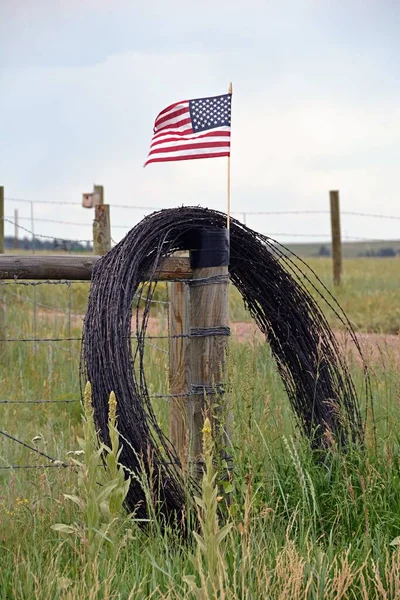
42 235
271 234
102 240
69 244
236 212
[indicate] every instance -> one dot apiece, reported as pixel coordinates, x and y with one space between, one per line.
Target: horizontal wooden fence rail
79 268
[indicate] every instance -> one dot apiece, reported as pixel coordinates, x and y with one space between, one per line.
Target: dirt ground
376 348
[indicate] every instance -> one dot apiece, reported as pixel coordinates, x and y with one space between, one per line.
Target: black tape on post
208 248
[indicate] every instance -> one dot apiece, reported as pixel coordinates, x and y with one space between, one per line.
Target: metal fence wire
34 221
39 316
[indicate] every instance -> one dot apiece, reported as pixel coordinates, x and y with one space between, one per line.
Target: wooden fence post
209 309
101 224
16 232
2 305
179 366
99 189
336 237
101 230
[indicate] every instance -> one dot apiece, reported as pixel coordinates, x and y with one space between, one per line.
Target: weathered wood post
179 366
336 237
79 268
101 223
199 314
209 331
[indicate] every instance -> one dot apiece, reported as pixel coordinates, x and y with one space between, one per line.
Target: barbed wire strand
42 235
51 466
41 282
54 309
77 400
262 212
32 448
67 311
36 339
61 222
270 233
138 338
37 401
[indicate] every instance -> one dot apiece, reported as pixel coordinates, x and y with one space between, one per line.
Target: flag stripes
192 129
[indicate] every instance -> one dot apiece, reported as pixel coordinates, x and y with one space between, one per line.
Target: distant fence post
33 228
2 305
336 237
101 224
179 366
16 241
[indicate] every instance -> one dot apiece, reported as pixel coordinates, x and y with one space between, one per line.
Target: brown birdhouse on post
95 198
101 223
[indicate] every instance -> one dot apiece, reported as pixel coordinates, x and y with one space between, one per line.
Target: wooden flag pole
228 212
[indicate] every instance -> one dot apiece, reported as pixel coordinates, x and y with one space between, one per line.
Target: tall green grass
301 525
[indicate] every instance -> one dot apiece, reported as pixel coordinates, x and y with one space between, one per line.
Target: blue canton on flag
207 113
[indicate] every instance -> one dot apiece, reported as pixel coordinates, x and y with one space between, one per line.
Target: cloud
312 110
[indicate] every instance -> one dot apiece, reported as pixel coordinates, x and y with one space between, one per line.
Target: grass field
354 249
301 527
369 294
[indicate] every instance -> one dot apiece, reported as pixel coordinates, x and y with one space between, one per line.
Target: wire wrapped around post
314 372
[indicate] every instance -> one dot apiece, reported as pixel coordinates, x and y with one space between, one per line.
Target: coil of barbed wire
273 284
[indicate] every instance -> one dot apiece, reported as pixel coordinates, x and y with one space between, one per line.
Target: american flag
190 129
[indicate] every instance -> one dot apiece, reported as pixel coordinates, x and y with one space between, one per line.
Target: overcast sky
316 106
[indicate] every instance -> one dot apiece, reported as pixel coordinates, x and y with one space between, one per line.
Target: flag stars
207 113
